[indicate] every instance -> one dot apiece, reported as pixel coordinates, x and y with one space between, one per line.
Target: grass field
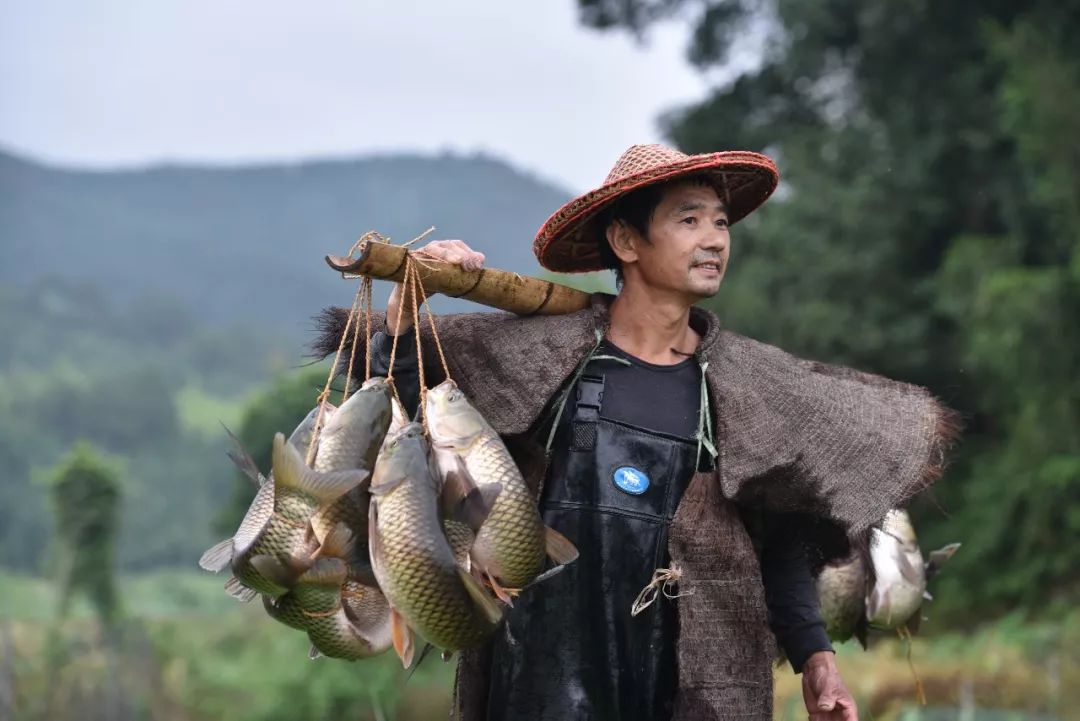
188 652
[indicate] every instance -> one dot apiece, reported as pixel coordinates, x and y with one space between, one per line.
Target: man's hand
826 697
449 251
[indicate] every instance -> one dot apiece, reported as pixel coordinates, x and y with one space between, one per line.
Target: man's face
688 244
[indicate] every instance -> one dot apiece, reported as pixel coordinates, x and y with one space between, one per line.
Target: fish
841 591
343 618
428 592
219 556
847 586
899 572
512 542
305 431
277 522
351 440
399 418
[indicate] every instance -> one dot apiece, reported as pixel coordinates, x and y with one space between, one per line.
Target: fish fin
559 548
455 476
363 574
239 591
402 637
908 572
500 592
241 458
485 603
314 653
273 570
861 631
291 471
550 573
423 654
325 572
338 543
926 596
474 508
875 602
938 558
218 557
386 487
375 548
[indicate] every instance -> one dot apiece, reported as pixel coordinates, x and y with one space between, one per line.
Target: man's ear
622 239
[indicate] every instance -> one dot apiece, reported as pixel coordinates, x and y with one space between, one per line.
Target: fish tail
559 548
218 557
291 471
338 543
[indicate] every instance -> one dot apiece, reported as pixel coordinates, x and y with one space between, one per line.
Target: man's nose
718 240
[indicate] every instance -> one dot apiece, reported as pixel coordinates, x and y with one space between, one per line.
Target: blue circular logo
631 480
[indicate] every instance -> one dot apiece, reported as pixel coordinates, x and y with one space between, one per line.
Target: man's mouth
709 267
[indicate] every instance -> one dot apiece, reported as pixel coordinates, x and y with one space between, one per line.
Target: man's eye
690 221
722 223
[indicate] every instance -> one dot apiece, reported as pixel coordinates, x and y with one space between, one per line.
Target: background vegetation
928 228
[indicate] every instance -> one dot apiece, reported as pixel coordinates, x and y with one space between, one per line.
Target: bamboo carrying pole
495 288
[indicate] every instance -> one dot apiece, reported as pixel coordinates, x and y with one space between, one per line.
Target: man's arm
795 618
790 593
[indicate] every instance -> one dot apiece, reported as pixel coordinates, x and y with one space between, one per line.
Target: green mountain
247 243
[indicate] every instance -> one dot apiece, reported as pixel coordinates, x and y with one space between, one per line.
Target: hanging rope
905 635
434 330
353 318
400 315
413 280
367 330
412 286
363 294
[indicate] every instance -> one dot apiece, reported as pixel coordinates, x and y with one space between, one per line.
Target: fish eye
454 396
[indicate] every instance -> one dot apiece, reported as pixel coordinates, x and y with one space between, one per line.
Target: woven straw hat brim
568 242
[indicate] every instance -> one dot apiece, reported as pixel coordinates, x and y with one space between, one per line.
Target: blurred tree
85 492
928 228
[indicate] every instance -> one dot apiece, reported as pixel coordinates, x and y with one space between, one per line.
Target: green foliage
928 228
186 650
85 493
80 366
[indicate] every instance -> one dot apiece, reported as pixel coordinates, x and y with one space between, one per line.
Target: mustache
710 258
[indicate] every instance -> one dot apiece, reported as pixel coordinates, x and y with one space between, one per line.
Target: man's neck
652 326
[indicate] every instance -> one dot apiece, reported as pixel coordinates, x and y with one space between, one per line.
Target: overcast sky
122 82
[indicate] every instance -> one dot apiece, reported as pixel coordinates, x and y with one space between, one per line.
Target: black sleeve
406 371
790 593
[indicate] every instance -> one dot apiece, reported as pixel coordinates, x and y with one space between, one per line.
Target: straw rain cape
792 436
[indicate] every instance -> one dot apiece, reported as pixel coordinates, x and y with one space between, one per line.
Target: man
654 440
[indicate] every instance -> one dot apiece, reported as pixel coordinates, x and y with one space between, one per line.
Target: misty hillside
247 243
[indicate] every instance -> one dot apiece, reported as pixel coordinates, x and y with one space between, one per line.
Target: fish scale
286 609
413 561
513 532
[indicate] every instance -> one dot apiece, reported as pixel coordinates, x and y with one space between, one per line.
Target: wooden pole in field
491 287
